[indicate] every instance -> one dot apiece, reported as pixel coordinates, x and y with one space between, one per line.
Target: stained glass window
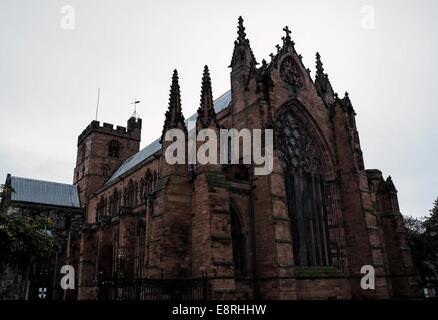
305 193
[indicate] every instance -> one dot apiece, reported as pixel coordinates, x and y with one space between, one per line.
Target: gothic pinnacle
242 52
322 81
206 110
174 116
175 97
206 91
319 68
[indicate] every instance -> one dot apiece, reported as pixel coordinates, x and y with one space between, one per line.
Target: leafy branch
24 238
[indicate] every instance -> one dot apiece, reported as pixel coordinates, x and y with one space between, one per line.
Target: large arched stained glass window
306 197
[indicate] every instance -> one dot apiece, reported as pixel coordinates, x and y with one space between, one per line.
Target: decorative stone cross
288 32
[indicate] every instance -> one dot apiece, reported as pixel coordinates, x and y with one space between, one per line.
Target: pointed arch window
305 191
238 239
100 209
130 194
115 203
141 234
142 188
148 184
155 179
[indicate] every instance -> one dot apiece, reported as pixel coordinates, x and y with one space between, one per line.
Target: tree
422 236
25 238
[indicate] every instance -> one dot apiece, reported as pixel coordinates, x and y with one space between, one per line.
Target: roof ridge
39 180
44 192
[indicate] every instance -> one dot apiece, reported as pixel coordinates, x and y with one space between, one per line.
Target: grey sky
49 76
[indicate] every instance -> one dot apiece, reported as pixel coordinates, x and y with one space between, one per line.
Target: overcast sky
50 74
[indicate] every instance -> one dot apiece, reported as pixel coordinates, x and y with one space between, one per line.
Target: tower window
105 171
114 149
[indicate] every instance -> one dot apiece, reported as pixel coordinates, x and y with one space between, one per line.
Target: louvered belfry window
113 149
306 197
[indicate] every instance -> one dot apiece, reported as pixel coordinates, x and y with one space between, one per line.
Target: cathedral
304 231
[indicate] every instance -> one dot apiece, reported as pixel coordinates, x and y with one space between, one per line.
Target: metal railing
153 289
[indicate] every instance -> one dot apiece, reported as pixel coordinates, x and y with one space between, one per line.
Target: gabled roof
44 192
219 104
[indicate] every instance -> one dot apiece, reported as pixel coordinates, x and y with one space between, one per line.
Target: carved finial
272 56
241 31
278 48
288 32
390 184
206 110
346 103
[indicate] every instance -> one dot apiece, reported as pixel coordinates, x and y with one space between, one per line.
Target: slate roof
44 192
219 104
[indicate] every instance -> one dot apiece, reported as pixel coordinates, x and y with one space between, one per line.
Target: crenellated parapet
132 130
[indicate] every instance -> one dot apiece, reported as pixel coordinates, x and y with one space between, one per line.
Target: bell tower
101 151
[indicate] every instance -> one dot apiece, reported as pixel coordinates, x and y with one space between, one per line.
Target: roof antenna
135 114
97 105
